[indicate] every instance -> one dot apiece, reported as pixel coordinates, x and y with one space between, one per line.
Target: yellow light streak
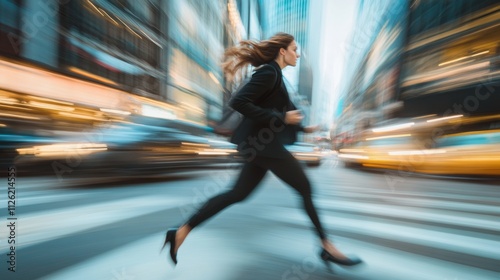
97 9
108 16
393 127
90 75
19 116
445 118
213 78
389 136
63 149
50 106
416 152
352 156
462 58
115 111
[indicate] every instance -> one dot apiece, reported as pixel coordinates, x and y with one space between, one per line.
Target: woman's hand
293 117
311 128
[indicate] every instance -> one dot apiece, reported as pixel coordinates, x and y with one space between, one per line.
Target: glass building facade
196 43
291 16
286 16
369 92
10 28
451 59
152 50
420 58
118 41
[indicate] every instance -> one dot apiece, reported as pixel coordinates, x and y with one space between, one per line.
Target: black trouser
287 169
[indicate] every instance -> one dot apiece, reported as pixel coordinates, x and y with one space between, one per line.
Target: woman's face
292 54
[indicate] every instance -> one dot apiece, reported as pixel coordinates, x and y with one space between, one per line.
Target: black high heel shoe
170 237
327 257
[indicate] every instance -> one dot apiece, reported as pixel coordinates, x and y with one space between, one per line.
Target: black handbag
232 118
229 122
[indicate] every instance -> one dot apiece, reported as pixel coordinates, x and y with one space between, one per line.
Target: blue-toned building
422 58
292 16
369 91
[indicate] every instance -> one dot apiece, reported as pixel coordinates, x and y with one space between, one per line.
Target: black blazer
262 131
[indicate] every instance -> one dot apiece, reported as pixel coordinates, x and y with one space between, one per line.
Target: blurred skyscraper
330 24
451 61
196 31
251 16
162 58
116 44
368 89
286 16
418 59
291 16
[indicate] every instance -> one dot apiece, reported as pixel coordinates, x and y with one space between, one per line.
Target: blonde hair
254 53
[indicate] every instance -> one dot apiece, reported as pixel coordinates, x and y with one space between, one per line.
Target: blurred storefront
150 57
451 63
421 59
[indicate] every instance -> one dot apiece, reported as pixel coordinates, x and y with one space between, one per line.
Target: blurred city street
119 119
402 226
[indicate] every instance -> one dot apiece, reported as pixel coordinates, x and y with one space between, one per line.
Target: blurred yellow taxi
426 148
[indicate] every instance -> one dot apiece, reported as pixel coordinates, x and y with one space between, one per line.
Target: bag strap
263 99
276 83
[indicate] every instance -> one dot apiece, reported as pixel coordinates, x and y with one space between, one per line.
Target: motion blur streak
107 116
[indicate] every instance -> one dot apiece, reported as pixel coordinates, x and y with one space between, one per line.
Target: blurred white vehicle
307 153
